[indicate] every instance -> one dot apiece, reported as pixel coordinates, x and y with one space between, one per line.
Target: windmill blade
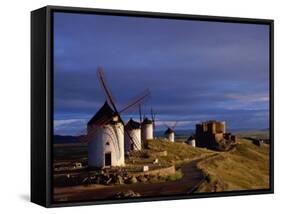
153 117
93 130
109 97
140 113
135 140
166 125
89 134
136 101
141 98
151 112
106 90
127 133
175 124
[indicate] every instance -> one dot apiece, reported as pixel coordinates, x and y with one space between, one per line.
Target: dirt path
192 177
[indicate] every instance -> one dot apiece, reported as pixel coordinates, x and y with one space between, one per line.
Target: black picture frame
42 101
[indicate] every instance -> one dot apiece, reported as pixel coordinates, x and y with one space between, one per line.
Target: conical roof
191 138
132 124
169 131
147 121
103 116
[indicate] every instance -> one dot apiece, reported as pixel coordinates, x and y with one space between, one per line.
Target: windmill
170 133
106 130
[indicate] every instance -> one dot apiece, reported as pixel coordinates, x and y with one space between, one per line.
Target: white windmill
134 131
106 130
191 141
170 133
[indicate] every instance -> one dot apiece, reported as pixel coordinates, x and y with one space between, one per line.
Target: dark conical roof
104 115
147 121
191 138
132 124
169 131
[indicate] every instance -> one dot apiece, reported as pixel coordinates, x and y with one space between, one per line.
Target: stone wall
162 171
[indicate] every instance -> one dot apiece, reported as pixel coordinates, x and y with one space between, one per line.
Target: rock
108 181
133 180
119 180
142 179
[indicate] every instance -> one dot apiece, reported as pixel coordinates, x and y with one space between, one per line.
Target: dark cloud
194 70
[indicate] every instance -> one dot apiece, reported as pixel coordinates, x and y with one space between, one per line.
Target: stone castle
211 134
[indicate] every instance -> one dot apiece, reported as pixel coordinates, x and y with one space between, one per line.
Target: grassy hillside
245 167
176 153
253 134
242 168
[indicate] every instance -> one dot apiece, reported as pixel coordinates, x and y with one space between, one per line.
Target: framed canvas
141 106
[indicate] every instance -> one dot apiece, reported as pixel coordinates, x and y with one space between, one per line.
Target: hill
246 167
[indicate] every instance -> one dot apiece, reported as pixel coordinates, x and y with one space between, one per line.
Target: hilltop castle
211 134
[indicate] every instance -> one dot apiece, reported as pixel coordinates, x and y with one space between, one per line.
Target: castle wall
212 127
212 133
220 127
219 137
199 129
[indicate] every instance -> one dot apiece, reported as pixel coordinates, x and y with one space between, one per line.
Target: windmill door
107 159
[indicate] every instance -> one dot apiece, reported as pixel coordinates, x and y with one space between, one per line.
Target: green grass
178 175
245 167
177 153
164 178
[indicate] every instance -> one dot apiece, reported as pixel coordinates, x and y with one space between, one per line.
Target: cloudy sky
195 70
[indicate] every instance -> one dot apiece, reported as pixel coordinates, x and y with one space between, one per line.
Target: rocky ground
191 179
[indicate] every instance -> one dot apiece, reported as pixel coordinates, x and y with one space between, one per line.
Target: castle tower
106 139
134 130
212 127
220 127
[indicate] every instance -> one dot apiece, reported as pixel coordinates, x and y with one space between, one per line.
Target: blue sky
195 70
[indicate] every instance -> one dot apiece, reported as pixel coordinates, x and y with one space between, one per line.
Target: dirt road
192 177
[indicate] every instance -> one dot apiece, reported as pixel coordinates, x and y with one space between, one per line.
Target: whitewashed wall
146 132
171 137
136 137
192 142
113 135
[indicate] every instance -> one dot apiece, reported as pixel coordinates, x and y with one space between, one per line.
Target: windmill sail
110 100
